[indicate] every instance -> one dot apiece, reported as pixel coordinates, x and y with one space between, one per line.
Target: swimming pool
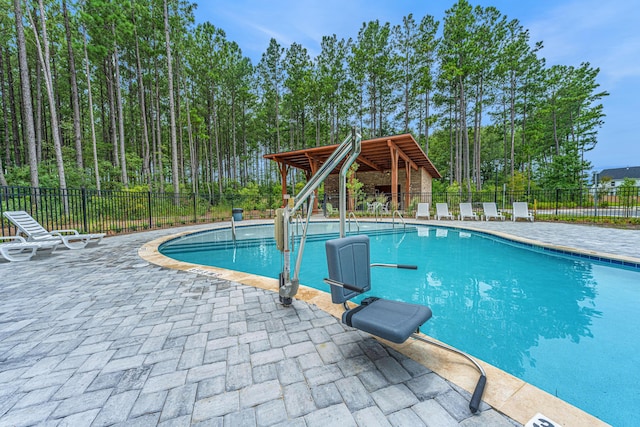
565 324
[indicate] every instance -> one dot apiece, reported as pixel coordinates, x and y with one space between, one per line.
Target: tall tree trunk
216 137
426 122
512 121
75 100
465 136
477 143
91 120
27 106
39 119
113 126
118 90
5 123
15 137
179 136
234 136
159 161
44 56
172 108
192 152
146 170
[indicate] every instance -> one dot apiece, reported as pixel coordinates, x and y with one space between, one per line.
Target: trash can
237 214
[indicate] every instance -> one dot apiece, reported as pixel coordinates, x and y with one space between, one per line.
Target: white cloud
603 33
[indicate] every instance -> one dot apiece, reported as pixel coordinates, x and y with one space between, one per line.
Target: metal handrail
233 229
299 221
393 219
351 214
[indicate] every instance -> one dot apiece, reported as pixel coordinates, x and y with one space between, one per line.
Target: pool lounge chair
442 211
18 249
349 275
466 211
491 211
521 210
37 233
423 210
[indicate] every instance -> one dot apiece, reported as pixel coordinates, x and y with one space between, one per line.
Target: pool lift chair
349 276
348 261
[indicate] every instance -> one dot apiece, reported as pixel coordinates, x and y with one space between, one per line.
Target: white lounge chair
18 249
521 210
466 211
37 233
491 211
442 211
423 210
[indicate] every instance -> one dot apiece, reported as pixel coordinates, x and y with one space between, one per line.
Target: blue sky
604 33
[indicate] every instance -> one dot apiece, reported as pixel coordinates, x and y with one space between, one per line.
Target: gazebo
396 163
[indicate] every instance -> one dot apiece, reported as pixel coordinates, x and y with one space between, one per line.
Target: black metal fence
116 212
620 206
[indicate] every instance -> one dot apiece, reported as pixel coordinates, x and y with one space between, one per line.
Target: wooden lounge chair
423 210
442 211
466 211
18 249
491 211
521 210
37 233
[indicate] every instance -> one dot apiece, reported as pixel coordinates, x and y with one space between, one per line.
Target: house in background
613 178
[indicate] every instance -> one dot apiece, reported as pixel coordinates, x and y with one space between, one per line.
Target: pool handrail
233 230
393 219
351 214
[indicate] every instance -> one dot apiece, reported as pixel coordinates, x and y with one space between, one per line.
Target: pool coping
504 392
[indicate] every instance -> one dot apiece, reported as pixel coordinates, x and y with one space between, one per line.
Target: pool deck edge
507 394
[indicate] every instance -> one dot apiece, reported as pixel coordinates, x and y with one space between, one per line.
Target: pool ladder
393 219
233 230
299 222
351 214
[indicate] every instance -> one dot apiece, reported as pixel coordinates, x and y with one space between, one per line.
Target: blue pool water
568 325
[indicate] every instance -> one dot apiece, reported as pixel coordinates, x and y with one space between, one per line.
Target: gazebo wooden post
407 185
313 164
282 167
394 174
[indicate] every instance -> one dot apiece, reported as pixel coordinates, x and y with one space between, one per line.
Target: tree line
112 94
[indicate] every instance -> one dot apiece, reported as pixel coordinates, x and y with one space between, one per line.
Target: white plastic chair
491 211
521 210
466 211
37 233
442 211
18 249
423 210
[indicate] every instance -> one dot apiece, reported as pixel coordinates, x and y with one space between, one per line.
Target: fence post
84 210
149 206
557 200
195 208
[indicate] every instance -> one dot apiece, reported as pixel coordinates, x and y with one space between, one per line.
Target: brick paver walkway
100 337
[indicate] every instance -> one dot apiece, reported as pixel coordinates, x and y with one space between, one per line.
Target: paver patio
101 337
